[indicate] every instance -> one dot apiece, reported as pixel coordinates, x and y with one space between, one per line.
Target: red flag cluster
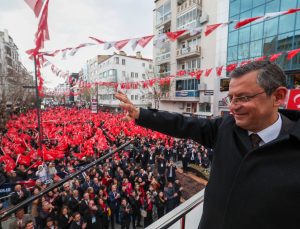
66 128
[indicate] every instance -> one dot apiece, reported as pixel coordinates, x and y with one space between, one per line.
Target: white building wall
140 69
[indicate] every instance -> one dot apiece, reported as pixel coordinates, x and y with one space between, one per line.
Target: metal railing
186 215
13 209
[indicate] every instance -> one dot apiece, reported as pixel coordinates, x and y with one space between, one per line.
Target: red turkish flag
275 57
96 39
208 71
211 28
9 163
294 100
292 11
120 44
35 5
174 35
293 53
231 67
42 33
198 74
23 160
145 40
219 70
260 58
246 22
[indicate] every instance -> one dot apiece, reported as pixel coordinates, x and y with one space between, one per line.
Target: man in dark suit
77 222
254 179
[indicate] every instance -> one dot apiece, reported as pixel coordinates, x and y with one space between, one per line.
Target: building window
132 75
204 107
132 97
123 73
143 76
143 64
136 97
117 60
136 75
123 61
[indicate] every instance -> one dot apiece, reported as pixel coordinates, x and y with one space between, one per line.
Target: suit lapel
287 124
242 140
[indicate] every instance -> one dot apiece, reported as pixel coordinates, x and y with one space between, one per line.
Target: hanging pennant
219 70
292 53
211 28
134 43
120 44
208 71
174 35
274 57
145 40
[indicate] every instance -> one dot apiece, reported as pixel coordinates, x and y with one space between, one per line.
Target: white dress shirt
270 133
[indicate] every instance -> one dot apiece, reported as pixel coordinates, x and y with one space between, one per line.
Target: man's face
257 113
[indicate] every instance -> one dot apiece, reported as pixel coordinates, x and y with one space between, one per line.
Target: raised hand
132 111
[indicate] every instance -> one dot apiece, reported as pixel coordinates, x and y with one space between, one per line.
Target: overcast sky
71 22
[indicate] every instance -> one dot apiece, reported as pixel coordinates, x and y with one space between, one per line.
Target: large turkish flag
294 100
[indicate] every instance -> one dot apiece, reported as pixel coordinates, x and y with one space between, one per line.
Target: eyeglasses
240 100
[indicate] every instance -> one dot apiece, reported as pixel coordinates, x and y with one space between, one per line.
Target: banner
294 100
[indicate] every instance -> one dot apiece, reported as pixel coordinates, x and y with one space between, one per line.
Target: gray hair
270 75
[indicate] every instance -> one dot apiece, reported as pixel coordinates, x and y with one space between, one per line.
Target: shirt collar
270 133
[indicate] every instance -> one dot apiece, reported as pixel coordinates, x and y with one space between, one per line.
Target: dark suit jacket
247 188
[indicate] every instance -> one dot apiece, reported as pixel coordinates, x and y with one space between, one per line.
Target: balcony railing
186 215
163 19
194 51
163 74
162 58
188 4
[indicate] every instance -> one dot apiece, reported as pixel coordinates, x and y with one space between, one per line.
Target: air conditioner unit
204 18
202 86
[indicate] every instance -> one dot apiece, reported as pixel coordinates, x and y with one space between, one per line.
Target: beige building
189 52
13 75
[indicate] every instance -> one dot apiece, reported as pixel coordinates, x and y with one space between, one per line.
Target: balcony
163 20
205 99
188 4
163 74
163 58
192 96
188 52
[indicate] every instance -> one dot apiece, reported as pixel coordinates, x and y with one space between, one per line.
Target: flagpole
38 107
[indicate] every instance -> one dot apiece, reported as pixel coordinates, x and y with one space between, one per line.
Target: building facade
120 68
280 34
186 94
13 75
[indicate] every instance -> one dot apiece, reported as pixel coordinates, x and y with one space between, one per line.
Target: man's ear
279 96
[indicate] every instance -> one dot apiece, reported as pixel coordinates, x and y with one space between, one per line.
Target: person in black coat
185 160
77 223
125 214
171 168
254 174
160 203
64 218
91 218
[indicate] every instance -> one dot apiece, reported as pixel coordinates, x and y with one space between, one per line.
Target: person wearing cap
254 179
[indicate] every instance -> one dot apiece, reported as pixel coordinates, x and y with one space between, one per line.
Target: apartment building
186 94
120 68
13 75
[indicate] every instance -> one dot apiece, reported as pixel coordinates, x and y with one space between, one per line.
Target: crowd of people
135 186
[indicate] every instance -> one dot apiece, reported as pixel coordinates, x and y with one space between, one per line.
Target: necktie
255 140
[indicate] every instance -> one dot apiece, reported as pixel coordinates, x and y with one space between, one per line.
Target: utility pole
38 108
